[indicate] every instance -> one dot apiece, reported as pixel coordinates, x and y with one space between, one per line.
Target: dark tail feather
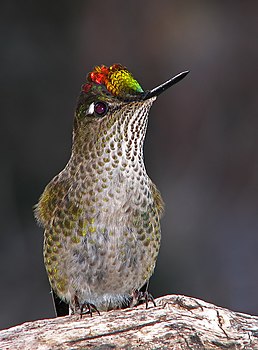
61 308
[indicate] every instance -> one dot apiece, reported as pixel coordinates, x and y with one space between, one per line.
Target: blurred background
201 148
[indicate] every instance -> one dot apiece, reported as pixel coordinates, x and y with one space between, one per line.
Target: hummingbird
101 214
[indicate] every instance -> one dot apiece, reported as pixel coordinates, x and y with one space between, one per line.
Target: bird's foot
83 309
88 308
139 297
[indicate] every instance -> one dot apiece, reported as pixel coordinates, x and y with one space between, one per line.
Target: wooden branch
178 322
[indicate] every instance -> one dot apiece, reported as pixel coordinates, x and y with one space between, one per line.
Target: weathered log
177 322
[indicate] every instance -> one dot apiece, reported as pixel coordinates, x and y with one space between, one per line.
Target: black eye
100 109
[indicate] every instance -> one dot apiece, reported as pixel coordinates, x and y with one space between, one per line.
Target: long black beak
159 89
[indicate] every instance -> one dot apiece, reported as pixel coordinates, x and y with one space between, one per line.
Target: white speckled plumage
105 261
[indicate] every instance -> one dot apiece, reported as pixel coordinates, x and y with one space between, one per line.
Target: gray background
201 148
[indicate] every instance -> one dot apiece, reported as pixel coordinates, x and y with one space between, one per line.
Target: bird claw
139 297
84 309
88 309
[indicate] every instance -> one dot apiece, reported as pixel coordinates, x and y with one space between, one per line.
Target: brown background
201 148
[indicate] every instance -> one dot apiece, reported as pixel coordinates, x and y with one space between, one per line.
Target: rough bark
178 322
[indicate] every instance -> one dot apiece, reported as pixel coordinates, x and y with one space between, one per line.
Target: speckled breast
101 217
